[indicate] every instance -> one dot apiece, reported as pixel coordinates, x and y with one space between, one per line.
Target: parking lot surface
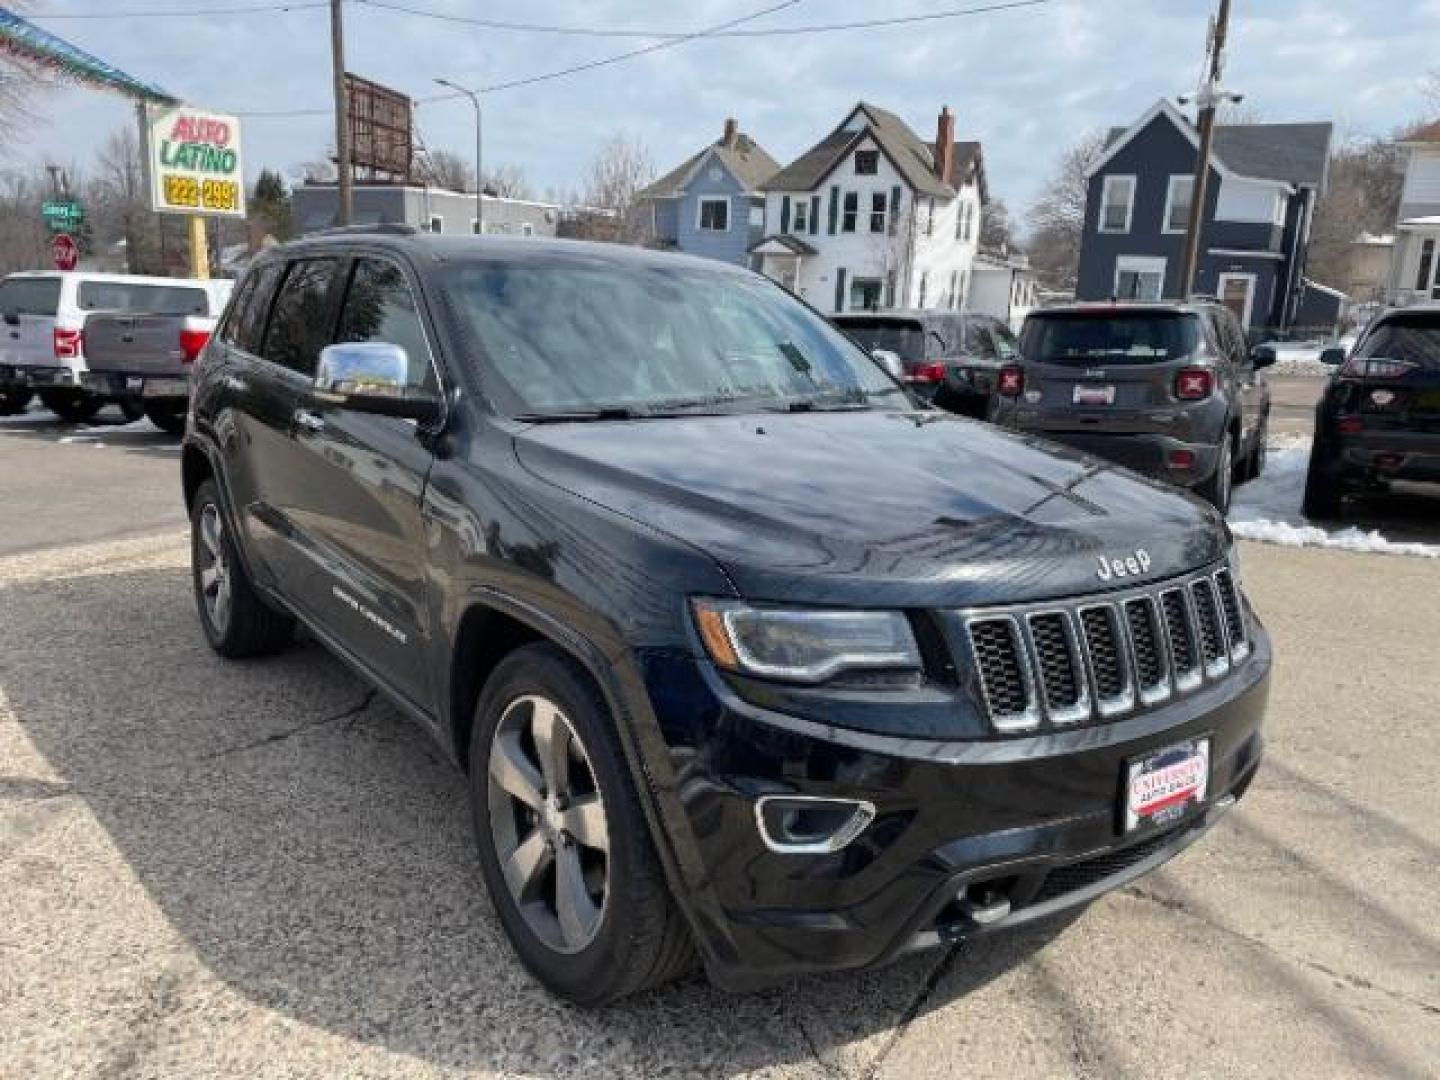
261 869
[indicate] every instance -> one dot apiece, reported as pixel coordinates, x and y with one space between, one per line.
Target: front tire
1217 490
71 406
564 845
14 401
236 621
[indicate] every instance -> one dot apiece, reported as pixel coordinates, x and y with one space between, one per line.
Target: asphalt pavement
262 870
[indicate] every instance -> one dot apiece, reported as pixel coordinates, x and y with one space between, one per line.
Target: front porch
780 259
1415 271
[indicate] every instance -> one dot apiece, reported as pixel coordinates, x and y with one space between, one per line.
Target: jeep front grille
1070 662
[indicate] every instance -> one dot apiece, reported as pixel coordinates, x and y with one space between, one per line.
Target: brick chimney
732 130
945 145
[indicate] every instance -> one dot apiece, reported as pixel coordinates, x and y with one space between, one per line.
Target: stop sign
64 251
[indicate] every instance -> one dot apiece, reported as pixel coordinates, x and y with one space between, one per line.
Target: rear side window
1411 338
30 296
379 306
303 317
1081 339
143 299
1006 345
246 325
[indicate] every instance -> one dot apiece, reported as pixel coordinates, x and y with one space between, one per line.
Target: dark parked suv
949 358
1169 390
744 656
1379 417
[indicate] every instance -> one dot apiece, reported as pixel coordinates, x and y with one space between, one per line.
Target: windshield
1412 338
1109 337
30 296
581 336
143 299
904 337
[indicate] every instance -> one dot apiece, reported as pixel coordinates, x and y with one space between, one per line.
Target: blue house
1260 199
711 204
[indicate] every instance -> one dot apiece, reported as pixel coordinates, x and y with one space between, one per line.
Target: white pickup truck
46 323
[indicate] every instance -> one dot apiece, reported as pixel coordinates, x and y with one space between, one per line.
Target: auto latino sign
195 165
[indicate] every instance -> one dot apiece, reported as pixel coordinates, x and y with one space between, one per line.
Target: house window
930 218
865 294
714 215
801 221
964 220
1139 277
437 223
1117 200
475 226
852 210
877 212
527 229
1178 198
867 162
954 288
924 286
1427 262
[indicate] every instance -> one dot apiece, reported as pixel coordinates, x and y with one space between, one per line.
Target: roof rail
392 228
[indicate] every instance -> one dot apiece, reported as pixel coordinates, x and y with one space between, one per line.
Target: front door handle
309 421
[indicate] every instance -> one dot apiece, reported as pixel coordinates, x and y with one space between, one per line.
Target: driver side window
380 306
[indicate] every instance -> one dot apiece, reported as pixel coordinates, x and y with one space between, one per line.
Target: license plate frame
166 388
1161 787
1093 395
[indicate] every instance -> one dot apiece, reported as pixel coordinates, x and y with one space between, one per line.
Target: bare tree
1057 217
997 231
449 170
1366 176
24 243
508 182
621 167
19 84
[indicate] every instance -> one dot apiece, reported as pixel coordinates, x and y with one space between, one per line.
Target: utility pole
342 119
474 97
1207 100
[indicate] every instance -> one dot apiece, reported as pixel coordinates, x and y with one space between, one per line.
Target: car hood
879 508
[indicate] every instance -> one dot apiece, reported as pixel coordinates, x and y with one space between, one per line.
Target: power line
590 65
179 13
777 31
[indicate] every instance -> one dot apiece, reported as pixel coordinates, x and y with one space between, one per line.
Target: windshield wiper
579 416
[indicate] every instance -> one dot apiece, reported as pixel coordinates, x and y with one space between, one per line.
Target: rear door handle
309 421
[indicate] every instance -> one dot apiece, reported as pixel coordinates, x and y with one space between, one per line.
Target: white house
874 217
1002 285
1415 264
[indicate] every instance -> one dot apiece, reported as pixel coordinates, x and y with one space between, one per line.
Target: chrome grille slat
1069 662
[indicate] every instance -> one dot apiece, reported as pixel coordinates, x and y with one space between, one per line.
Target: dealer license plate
1094 395
1164 786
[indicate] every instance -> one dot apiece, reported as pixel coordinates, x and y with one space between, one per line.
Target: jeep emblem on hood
1130 566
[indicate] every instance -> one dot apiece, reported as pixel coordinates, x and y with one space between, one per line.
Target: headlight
802 645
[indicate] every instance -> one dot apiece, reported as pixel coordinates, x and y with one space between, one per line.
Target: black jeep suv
1379 417
1169 390
746 658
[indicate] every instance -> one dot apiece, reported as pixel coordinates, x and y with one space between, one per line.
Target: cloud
1026 82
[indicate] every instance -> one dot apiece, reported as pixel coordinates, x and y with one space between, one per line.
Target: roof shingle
745 158
911 156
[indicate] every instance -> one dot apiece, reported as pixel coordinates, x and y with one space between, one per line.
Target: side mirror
1333 356
893 365
1262 356
372 377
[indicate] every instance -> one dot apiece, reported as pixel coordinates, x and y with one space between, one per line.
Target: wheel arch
195 469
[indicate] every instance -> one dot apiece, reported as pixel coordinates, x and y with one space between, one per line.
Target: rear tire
1324 498
619 931
236 621
167 417
71 406
132 408
1217 490
15 401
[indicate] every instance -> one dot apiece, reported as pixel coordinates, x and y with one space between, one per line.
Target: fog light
810 825
1181 459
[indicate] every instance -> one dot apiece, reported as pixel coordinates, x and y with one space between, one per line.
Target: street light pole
342 114
474 97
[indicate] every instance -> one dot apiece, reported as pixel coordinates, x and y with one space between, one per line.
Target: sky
1025 82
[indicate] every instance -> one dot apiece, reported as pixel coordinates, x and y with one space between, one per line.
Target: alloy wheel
214 568
548 823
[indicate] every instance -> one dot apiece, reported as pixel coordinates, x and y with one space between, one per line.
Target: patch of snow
1268 509
1299 358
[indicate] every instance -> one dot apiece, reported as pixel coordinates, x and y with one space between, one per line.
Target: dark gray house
1260 199
710 204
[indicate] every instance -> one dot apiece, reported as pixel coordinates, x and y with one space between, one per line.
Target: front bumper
40 378
1035 820
1146 453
